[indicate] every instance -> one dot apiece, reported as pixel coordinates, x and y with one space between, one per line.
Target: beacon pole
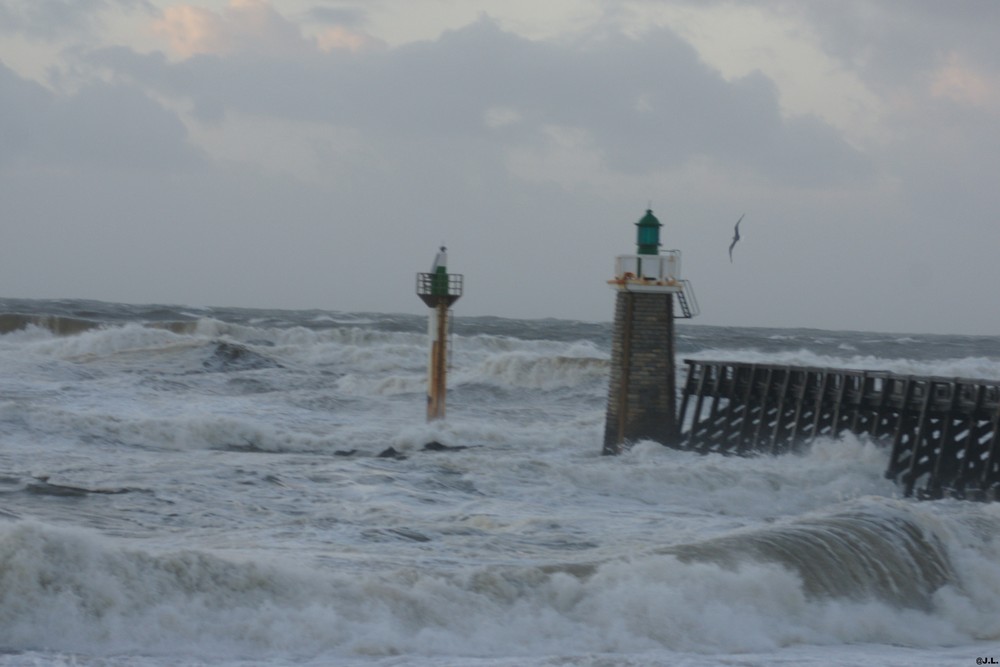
438 289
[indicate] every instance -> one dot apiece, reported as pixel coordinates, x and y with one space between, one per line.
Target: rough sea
219 486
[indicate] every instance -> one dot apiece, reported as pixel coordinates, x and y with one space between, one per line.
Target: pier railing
943 433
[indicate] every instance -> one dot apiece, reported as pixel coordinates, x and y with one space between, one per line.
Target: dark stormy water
221 486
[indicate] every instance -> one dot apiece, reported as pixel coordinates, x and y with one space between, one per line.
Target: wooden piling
943 434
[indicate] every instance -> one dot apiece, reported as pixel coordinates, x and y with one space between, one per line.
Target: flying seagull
736 237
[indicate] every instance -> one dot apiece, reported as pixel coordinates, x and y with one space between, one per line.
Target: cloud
337 16
191 30
890 44
966 84
23 102
102 124
340 37
668 110
242 26
270 167
51 18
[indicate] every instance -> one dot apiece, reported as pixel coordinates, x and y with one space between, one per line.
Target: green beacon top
648 234
439 280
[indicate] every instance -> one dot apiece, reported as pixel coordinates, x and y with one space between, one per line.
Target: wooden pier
943 433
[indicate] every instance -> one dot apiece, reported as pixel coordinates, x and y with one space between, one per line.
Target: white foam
525 369
829 471
107 341
243 540
968 367
70 591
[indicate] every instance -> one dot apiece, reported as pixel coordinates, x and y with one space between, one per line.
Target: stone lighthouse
642 396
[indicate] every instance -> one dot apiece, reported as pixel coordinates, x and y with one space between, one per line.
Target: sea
236 487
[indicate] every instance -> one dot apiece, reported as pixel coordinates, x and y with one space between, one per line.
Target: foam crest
967 367
828 471
55 324
368 358
355 336
367 385
872 551
67 590
370 350
109 341
190 431
499 344
530 370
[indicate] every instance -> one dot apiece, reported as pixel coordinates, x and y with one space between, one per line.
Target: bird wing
736 237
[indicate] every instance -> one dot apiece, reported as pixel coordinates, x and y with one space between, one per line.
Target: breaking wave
874 575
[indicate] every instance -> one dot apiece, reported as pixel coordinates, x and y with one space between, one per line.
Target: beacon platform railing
663 268
434 288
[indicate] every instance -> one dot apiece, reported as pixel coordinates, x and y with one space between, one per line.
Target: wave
305 337
62 325
370 350
100 342
228 341
73 591
59 325
212 432
500 360
528 370
875 551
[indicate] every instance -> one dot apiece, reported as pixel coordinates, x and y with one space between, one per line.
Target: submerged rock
43 487
391 453
435 446
229 356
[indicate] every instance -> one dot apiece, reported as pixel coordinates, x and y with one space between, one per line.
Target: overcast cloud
314 155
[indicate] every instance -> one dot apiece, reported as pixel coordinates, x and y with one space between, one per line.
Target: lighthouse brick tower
642 396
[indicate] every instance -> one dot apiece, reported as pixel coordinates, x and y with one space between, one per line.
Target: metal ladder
687 301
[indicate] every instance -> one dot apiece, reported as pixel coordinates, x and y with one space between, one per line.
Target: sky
315 153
